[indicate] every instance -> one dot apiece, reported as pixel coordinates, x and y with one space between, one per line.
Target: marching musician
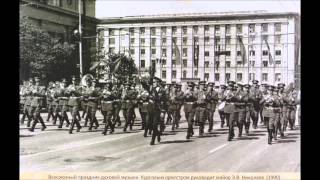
74 94
190 98
229 109
221 104
107 107
63 98
212 100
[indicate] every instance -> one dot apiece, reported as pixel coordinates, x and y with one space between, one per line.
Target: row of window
239 76
252 28
277 40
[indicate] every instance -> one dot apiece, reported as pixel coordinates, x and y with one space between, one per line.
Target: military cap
216 87
229 87
231 82
191 84
202 83
240 84
211 84
157 79
63 80
222 86
276 89
246 86
177 85
255 81
282 85
264 85
271 88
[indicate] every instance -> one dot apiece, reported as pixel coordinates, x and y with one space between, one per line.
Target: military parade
239 106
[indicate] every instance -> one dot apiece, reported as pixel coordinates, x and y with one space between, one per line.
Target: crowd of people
160 105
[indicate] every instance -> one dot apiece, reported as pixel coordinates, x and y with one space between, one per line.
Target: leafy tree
41 54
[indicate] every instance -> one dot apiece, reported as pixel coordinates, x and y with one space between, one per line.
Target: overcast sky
119 8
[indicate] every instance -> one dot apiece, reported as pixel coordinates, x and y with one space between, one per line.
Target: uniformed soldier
127 105
164 102
63 98
212 100
38 93
145 109
133 87
229 109
117 92
92 92
242 98
177 98
190 98
248 99
221 102
201 106
257 95
290 107
74 102
283 119
197 115
168 91
22 97
155 118
264 93
26 97
75 85
107 107
171 105
49 99
271 105
55 102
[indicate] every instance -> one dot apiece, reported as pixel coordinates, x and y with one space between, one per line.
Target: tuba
85 78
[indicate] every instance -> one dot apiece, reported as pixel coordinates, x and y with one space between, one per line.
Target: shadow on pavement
226 132
26 135
257 134
289 137
207 136
246 138
175 141
284 141
292 134
168 133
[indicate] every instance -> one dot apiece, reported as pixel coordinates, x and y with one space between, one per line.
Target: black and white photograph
175 86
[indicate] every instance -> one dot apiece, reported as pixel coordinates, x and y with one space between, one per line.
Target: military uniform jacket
144 101
190 98
74 94
241 100
271 105
221 98
22 95
107 100
62 96
230 102
257 96
212 99
28 95
93 96
49 98
38 93
201 99
128 99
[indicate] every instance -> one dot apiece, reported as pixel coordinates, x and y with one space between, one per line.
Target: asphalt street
56 150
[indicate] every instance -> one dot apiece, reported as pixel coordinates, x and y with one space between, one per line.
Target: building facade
215 47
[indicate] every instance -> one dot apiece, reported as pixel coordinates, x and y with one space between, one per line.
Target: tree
40 53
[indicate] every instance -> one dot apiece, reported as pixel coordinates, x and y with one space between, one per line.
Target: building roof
197 16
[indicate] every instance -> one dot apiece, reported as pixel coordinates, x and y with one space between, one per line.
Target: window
184 52
143 52
132 51
164 74
142 41
277 39
206 76
164 52
164 62
227 77
174 30
173 63
184 30
278 63
174 74
153 31
228 64
142 30
195 73
132 40
278 52
153 51
174 40
277 27
206 28
251 76
239 63
206 40
111 32
153 42
163 30
217 64
265 63
185 64
252 53
143 63
111 41
206 53
184 74
227 53
131 30
164 41
278 77
264 76
216 76
184 40
239 76
251 39
216 28
238 53
228 27
251 28
265 52
252 63
239 28
196 40
195 29
228 40
206 64
111 50
265 38
217 40
264 27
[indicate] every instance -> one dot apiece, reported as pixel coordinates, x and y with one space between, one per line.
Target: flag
217 54
177 52
196 52
242 50
270 56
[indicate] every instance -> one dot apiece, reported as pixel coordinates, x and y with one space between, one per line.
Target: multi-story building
215 47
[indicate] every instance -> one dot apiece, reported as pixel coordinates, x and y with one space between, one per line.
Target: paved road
56 150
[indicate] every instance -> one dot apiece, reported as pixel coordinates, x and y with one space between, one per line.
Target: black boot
33 125
71 127
269 136
105 129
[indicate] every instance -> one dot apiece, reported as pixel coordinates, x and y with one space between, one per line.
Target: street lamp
78 34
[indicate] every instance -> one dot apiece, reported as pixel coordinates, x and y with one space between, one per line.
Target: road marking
217 148
69 147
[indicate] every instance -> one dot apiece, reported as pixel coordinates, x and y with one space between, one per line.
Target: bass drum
221 106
